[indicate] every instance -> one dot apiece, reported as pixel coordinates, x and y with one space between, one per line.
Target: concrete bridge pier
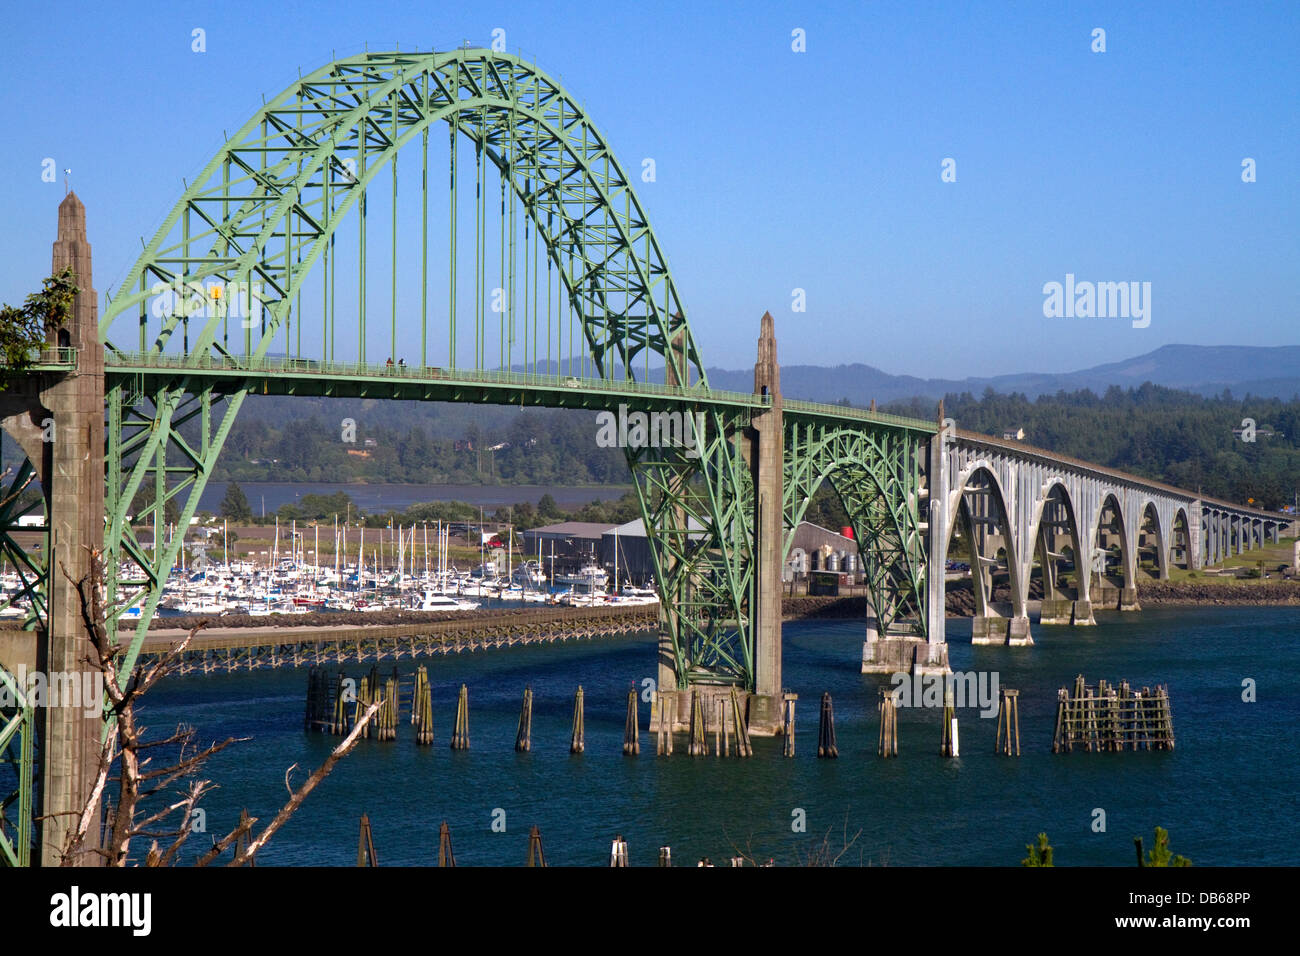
58 419
767 464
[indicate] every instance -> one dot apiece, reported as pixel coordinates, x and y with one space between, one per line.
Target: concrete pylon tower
73 479
767 462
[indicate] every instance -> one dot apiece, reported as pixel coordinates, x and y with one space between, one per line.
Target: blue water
1227 793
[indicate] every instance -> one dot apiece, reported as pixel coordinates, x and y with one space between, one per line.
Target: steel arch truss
28 570
699 516
264 212
25 590
876 472
17 760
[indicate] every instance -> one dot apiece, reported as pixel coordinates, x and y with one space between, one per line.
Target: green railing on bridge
236 365
857 414
60 359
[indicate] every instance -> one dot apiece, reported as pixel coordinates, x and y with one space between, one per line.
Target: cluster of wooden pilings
716 717
422 707
536 855
335 707
1111 719
1101 718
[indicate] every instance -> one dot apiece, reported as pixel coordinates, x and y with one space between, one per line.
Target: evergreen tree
1160 855
1040 855
235 504
23 329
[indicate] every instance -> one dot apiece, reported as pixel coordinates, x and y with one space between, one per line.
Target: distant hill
1263 371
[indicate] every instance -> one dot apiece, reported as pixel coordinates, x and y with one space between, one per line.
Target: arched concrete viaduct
1014 509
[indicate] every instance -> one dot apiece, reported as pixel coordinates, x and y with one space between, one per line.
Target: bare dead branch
296 799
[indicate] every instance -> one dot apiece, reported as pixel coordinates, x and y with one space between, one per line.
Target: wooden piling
950 745
524 735
535 855
699 741
618 852
578 740
460 736
241 843
826 730
666 706
445 855
318 716
718 720
1008 723
787 722
888 725
631 727
366 855
365 694
341 724
743 746
386 724
422 707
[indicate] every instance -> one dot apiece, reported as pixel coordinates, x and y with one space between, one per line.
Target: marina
412 571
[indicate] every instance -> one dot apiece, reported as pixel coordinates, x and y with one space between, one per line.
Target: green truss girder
17 761
876 472
266 208
30 568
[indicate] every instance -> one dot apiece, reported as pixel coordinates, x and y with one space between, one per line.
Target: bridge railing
426 373
865 414
288 365
57 357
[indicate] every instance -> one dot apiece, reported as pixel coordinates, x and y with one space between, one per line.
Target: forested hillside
1159 433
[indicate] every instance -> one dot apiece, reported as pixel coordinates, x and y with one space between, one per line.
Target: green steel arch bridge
459 208
462 209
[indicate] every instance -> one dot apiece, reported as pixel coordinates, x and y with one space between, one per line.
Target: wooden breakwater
215 649
1106 718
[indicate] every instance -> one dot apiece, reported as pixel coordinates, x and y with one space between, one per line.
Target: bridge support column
75 495
993 629
899 653
767 462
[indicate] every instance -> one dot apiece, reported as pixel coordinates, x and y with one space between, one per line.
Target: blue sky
777 170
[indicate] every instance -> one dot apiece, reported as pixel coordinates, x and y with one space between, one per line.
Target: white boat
590 575
529 575
432 600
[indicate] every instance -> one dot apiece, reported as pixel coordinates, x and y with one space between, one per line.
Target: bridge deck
315 378
1031 451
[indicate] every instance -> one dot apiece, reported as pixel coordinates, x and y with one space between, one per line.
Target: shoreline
1150 594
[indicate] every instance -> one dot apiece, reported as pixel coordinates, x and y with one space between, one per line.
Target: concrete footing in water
992 629
762 713
895 654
